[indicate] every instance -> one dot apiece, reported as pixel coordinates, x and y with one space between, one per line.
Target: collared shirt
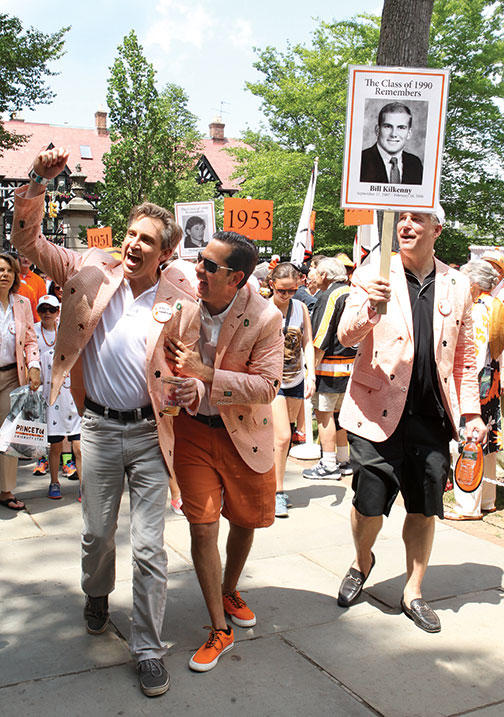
7 334
209 335
424 396
114 359
386 161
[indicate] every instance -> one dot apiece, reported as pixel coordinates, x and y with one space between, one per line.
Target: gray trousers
112 450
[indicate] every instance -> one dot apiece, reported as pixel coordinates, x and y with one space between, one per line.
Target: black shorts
414 460
293 392
57 439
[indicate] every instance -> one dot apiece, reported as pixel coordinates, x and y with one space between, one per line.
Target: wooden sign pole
385 253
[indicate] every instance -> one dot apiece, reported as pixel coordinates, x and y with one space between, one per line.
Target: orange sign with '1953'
251 217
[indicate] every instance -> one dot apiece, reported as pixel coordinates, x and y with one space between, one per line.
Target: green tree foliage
304 100
468 37
154 141
24 63
303 93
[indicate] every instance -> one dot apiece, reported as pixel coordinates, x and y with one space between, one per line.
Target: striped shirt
334 370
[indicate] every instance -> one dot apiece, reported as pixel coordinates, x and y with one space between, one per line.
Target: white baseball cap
50 300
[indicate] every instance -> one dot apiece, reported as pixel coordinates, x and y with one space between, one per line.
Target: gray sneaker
154 679
322 472
281 505
345 469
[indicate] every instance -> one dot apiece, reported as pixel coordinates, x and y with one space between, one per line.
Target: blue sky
205 46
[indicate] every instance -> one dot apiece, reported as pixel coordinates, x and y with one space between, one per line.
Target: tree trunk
404 34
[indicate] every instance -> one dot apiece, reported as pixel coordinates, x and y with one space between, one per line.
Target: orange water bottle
469 468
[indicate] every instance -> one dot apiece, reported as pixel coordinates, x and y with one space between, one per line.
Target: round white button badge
162 312
444 307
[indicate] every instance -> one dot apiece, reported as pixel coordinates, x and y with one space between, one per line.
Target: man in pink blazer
224 454
117 316
397 405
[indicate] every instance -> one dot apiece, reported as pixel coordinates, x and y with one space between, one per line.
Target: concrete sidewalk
306 656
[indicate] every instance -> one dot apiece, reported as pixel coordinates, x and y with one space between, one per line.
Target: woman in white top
298 352
18 361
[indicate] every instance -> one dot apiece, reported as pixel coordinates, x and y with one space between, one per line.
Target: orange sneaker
219 642
237 609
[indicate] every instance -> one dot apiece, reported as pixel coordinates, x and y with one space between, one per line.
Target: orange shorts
213 478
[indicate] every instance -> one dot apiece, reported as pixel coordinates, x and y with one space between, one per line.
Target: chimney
216 127
101 122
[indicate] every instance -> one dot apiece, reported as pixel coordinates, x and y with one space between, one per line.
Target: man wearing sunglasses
116 315
224 454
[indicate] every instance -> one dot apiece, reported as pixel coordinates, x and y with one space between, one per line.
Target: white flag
303 237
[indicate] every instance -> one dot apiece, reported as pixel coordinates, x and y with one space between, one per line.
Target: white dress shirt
7 334
114 359
386 161
209 335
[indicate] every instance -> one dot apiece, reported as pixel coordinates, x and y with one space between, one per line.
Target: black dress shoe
352 584
422 615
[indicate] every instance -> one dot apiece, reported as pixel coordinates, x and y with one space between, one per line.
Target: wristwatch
32 174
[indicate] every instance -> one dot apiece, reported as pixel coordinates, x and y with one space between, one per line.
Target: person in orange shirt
33 281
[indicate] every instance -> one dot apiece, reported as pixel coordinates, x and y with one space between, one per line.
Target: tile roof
15 164
222 162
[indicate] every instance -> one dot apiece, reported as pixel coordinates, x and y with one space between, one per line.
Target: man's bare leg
365 530
418 536
327 430
207 563
238 547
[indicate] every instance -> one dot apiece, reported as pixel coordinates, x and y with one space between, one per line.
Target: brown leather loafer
352 584
422 615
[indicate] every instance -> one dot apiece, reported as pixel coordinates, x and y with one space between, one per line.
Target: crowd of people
195 380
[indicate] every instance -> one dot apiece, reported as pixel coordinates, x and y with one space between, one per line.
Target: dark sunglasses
50 309
211 266
285 292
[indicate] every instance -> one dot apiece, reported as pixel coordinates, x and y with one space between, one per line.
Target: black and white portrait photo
197 220
388 160
195 235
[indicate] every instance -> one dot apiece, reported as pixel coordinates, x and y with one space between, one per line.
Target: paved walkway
306 656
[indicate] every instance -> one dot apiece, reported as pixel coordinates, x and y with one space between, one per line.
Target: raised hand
51 162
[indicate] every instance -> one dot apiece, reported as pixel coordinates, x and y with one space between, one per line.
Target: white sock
329 459
342 453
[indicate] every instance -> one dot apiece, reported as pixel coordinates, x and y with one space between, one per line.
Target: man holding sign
117 315
397 407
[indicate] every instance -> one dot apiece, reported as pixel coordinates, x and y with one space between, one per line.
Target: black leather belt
137 414
212 421
8 367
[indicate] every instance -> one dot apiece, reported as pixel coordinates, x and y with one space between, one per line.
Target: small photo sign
197 220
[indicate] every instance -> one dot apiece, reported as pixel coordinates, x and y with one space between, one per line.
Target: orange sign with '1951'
100 237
